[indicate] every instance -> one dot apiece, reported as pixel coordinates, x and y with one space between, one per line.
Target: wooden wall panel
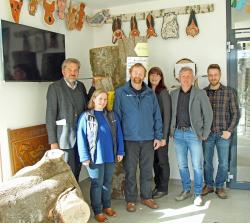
27 145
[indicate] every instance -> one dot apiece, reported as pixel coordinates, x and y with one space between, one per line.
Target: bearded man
226 116
139 112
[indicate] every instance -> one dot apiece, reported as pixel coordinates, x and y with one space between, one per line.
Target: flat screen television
31 54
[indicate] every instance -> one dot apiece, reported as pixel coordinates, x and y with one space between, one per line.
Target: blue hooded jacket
139 113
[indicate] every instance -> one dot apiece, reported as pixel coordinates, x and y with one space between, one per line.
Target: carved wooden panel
27 145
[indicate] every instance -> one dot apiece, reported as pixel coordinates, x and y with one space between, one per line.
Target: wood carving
192 28
80 17
33 7
27 145
170 27
71 17
117 30
133 27
49 9
99 18
150 24
16 6
61 5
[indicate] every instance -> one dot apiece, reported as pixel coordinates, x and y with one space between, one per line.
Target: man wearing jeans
139 112
225 118
191 121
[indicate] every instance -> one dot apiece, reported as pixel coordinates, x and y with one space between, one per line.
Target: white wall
208 47
24 104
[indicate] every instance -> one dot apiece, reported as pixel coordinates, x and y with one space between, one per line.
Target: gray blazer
62 112
200 112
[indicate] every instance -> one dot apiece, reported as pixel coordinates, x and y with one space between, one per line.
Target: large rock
44 192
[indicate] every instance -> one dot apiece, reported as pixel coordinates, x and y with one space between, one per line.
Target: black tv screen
31 54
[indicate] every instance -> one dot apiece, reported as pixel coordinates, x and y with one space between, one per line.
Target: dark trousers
143 152
72 158
161 169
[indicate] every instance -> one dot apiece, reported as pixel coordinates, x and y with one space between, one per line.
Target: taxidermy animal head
133 27
117 30
49 8
16 6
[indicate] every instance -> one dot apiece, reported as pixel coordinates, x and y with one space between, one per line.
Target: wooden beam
204 8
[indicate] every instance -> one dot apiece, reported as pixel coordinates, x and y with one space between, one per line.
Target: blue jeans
101 185
185 141
222 146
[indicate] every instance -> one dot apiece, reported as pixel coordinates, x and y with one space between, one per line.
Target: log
32 194
105 62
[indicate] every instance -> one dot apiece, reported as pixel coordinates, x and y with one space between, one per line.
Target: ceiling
104 4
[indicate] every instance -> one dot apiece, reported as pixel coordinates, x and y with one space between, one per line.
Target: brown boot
221 193
101 218
109 212
206 190
150 203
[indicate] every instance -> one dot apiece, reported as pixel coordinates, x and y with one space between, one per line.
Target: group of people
137 131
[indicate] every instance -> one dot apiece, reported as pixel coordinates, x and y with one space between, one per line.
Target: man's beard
214 83
137 80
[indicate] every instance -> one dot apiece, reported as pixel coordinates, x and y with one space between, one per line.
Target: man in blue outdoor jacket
139 112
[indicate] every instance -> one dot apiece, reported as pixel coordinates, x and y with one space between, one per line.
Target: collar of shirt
138 91
187 92
69 85
221 87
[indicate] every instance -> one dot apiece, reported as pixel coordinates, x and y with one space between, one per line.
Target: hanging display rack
203 8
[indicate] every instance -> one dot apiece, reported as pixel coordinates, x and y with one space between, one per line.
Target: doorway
238 36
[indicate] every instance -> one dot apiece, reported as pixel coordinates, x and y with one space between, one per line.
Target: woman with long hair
161 161
100 145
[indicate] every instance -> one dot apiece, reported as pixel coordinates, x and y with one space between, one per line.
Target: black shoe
159 194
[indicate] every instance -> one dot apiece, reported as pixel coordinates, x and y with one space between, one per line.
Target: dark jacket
164 101
62 106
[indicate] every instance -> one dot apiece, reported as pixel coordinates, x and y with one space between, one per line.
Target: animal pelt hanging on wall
150 24
133 27
117 30
170 27
192 28
16 6
49 9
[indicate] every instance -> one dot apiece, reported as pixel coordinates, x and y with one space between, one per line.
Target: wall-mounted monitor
31 54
